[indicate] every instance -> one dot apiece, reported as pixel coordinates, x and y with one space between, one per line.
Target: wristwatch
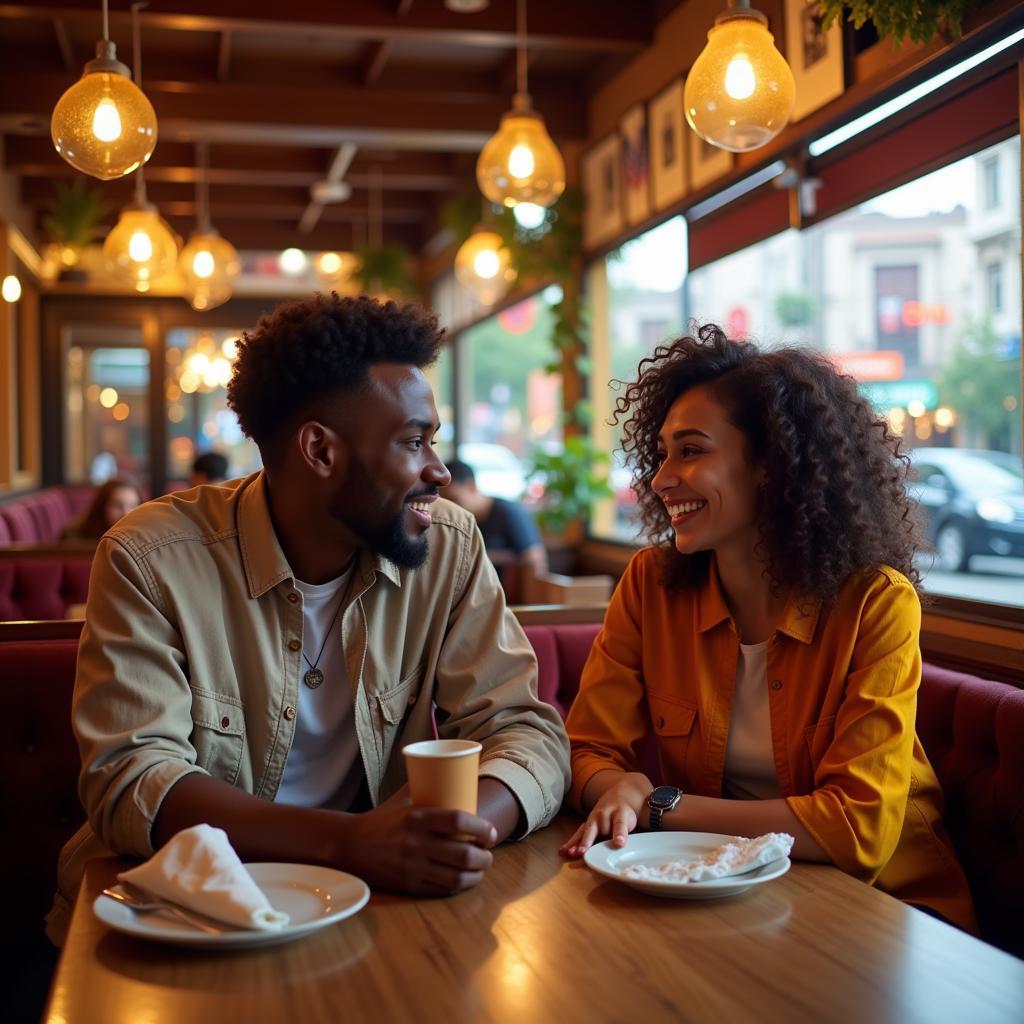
664 798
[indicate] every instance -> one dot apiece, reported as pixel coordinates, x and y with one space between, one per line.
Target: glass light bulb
104 125
486 263
520 163
202 263
11 289
740 92
106 121
529 215
739 78
140 249
484 266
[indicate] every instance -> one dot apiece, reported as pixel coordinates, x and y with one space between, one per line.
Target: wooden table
545 940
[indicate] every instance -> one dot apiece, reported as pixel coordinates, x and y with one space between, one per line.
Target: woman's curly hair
306 350
833 500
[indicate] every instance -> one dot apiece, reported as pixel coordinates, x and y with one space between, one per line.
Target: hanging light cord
106 23
376 212
140 181
521 47
203 186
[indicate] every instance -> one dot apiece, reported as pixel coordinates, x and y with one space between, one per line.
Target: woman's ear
322 450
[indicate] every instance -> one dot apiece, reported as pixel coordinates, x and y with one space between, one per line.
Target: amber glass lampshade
208 265
141 248
484 266
520 163
740 92
104 125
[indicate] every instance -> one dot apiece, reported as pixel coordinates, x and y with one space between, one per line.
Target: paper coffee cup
443 773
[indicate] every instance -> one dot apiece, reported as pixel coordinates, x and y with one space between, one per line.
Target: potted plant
894 19
383 271
73 222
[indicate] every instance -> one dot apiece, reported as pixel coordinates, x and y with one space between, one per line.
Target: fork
143 903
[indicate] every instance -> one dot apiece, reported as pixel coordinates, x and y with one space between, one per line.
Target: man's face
393 473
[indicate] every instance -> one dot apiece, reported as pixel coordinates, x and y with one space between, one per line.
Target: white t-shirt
749 762
323 766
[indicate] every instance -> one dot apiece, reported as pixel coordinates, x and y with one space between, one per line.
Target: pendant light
520 163
208 264
104 125
740 92
484 266
141 248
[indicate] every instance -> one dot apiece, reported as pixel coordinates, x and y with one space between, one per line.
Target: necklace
313 677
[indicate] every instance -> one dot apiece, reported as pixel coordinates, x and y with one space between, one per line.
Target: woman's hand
615 814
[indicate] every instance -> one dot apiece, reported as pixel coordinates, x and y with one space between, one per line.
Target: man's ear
323 450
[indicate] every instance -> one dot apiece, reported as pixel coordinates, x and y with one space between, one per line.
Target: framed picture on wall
668 154
636 177
602 191
707 162
815 55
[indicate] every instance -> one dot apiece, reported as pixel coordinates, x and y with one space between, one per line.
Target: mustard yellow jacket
842 685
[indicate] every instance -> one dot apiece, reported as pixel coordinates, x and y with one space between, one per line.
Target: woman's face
705 478
121 501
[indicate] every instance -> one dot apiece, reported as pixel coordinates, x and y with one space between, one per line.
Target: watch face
664 796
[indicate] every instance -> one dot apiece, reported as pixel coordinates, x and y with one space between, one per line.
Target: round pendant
313 678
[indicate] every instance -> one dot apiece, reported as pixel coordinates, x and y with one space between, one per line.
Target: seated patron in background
111 501
510 535
209 468
257 656
769 636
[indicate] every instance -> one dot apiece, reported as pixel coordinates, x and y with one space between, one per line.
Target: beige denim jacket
190 661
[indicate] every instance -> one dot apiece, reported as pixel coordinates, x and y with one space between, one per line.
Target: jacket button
294 645
776 684
225 722
293 597
289 712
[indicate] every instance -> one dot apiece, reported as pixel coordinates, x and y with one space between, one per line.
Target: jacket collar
799 617
263 560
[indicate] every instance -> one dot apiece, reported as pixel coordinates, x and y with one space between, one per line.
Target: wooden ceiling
404 92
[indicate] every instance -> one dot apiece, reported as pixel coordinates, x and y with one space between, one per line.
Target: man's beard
392 540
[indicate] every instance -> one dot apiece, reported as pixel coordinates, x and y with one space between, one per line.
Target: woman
769 637
111 501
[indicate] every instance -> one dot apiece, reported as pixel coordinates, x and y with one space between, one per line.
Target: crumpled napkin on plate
199 869
732 858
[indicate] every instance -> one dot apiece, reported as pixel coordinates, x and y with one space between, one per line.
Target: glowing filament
140 247
486 264
106 121
202 263
521 163
739 78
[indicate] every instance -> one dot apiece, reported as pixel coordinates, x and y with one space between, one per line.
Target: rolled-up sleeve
486 690
864 776
131 711
608 719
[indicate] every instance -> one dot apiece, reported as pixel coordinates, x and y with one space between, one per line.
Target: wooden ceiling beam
595 26
224 56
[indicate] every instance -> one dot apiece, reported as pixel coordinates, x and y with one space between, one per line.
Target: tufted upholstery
38 773
973 731
39 518
42 588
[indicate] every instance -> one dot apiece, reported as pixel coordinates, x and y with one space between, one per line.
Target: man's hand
616 813
420 850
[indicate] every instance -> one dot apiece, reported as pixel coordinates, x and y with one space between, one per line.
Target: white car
497 470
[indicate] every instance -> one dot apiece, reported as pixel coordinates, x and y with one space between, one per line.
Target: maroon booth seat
39 517
42 585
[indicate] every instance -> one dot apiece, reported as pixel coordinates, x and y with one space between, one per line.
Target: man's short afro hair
305 350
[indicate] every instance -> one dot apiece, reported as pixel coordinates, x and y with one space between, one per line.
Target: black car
971 504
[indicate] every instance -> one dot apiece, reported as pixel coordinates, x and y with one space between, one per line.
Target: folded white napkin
732 858
200 870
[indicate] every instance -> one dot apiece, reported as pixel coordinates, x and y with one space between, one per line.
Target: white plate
652 849
313 897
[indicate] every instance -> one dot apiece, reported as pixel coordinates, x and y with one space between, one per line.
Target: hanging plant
74 218
384 269
920 21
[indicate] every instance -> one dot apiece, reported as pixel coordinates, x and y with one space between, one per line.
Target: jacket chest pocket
392 707
819 738
672 721
218 733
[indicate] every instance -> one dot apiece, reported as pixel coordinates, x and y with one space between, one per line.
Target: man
209 468
257 655
510 535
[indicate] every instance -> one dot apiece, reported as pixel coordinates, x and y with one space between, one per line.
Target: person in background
112 500
769 637
256 656
510 535
209 468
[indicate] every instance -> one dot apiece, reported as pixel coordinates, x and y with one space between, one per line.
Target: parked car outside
971 504
497 469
